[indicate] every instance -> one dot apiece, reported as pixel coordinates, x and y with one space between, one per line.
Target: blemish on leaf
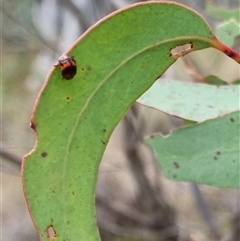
143 64
181 50
103 142
83 69
89 68
218 153
209 106
176 165
51 233
68 98
104 130
33 125
215 158
232 120
174 176
44 154
73 193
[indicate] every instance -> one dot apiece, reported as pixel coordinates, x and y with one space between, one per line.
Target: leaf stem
216 43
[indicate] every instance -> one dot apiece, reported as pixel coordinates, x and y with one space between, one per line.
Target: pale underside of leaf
191 101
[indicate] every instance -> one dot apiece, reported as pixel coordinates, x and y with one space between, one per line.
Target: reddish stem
226 50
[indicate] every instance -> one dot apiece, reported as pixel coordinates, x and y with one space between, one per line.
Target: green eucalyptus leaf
222 13
206 153
228 31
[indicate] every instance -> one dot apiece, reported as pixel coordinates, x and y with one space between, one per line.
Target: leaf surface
196 102
207 153
228 31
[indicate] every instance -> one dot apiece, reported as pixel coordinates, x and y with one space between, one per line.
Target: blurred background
134 200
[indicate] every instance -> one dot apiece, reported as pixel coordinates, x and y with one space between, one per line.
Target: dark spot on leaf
82 69
232 120
233 161
218 153
104 130
44 154
51 233
103 142
174 176
215 158
33 125
158 76
143 64
68 97
209 106
73 193
176 165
